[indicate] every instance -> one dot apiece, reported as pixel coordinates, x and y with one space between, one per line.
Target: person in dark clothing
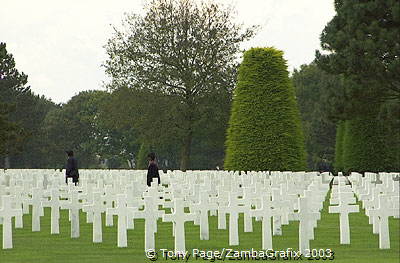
324 166
152 170
72 168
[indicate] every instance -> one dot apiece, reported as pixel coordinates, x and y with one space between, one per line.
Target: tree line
173 73
353 88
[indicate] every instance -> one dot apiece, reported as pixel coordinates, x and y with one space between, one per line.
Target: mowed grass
33 247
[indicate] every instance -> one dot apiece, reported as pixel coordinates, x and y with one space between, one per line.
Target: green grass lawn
35 247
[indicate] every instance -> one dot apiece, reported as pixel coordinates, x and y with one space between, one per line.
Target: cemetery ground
32 247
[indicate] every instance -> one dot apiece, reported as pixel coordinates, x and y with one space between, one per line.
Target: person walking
72 168
152 170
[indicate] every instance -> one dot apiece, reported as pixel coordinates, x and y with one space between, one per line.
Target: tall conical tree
264 129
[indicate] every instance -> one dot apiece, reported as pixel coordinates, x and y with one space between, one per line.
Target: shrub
264 130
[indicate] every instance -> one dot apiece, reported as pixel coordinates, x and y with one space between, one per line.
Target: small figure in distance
152 170
324 165
72 168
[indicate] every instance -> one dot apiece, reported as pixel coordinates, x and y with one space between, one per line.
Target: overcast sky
59 43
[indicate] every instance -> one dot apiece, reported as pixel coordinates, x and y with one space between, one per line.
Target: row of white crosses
267 210
231 201
18 192
343 198
230 197
379 194
275 198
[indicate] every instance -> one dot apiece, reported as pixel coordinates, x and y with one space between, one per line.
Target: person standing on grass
71 168
152 170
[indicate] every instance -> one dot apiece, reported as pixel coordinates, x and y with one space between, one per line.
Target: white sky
59 43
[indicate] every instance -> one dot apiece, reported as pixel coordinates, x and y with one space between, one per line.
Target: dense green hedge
363 145
389 117
340 131
367 143
264 129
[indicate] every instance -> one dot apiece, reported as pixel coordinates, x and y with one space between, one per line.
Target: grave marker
7 212
179 217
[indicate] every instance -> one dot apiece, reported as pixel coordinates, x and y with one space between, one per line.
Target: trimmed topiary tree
364 143
264 128
388 117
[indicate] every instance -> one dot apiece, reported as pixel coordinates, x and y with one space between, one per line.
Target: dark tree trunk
185 153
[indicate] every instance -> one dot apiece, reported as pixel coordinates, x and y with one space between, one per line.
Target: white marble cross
347 197
384 211
288 202
17 200
150 214
370 205
203 207
344 209
25 201
87 198
152 191
54 204
233 209
109 198
277 219
36 202
121 211
246 205
305 217
222 200
265 213
7 213
365 194
96 208
179 217
74 206
313 206
133 203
